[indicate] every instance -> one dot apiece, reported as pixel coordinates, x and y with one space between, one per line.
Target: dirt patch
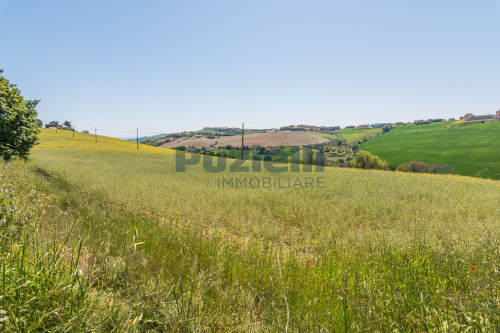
268 139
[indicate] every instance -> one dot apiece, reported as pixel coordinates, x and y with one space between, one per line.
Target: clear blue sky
167 66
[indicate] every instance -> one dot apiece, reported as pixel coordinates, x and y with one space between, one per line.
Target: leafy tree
414 166
366 160
18 122
422 167
39 122
67 124
442 168
386 129
268 158
53 123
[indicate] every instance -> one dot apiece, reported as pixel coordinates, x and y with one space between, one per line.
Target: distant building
470 116
364 126
451 119
483 117
380 125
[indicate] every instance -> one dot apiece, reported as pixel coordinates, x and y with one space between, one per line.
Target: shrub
442 168
366 160
414 166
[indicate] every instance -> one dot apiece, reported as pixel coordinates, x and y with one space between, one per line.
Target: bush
414 166
442 168
366 160
18 122
422 167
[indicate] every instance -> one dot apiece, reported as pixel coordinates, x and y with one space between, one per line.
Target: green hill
352 134
473 150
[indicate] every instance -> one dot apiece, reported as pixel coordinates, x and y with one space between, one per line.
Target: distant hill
267 139
473 148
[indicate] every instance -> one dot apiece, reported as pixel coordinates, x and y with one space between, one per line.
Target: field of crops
472 150
161 250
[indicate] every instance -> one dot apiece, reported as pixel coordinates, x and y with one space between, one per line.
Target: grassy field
472 150
119 241
352 135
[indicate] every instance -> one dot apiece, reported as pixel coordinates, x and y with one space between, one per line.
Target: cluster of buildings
377 125
312 128
428 121
470 116
309 128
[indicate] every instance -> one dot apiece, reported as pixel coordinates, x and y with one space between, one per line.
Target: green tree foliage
366 160
422 167
53 123
18 123
414 166
67 125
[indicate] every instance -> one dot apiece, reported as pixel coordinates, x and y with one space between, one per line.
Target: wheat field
161 250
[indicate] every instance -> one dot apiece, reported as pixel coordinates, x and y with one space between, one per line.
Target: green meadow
107 237
351 134
472 150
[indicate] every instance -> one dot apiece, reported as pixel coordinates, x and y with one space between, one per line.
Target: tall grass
140 247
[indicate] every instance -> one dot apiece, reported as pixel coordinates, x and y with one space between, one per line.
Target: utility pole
242 138
137 138
95 134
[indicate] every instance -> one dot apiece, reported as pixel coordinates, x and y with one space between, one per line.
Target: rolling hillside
267 139
472 150
121 241
351 134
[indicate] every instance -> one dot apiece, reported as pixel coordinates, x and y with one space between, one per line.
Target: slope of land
472 150
268 139
352 135
126 243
